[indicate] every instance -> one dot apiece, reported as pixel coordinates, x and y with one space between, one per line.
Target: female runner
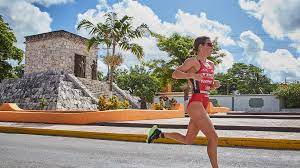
200 73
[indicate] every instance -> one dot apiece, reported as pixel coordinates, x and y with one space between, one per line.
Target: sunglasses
209 44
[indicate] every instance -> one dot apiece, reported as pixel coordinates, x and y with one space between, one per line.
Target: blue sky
262 32
228 12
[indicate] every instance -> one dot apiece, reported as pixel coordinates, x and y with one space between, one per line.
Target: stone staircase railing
80 85
132 99
98 88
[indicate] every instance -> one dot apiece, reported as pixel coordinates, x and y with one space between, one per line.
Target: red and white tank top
203 86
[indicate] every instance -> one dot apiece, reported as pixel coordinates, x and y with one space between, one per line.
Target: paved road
229 121
135 130
18 150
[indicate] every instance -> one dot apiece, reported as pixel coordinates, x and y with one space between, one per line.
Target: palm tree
115 33
99 33
113 61
122 32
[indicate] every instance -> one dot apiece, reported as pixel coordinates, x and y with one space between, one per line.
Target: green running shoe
153 134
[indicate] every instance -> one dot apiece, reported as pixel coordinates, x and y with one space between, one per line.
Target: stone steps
58 92
74 98
101 88
97 88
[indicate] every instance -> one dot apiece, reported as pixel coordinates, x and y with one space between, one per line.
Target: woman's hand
216 84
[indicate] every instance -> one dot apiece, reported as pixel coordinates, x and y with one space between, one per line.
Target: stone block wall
53 86
56 51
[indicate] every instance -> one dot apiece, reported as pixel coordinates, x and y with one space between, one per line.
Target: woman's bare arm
181 71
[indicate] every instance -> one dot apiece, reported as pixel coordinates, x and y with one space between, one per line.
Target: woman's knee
213 137
188 141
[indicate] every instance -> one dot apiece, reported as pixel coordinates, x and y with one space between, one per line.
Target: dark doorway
79 66
94 70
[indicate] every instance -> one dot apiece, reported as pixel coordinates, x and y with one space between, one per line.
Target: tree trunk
114 49
110 79
107 50
143 103
114 46
108 73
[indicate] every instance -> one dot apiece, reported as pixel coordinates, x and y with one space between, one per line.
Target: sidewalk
245 124
227 121
258 139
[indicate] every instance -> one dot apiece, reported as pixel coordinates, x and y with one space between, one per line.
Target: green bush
290 94
112 103
166 103
157 106
42 103
218 104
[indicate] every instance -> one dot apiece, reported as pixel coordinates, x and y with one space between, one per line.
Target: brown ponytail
197 42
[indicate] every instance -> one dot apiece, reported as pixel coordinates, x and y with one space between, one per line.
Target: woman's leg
209 131
188 139
193 129
199 120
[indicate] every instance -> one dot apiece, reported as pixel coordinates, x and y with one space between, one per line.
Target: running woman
199 71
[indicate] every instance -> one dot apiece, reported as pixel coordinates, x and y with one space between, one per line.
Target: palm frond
126 19
137 50
85 24
91 42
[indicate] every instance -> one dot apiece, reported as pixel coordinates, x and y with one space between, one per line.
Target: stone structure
58 91
60 51
52 88
60 74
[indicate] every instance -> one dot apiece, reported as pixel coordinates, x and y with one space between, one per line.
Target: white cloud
280 18
252 45
278 65
227 62
150 49
199 25
102 67
185 23
296 46
48 3
25 19
251 8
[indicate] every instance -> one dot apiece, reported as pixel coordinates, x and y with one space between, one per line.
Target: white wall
241 102
271 103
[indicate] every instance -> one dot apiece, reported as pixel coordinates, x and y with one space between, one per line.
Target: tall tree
249 79
115 33
8 51
290 94
138 82
160 69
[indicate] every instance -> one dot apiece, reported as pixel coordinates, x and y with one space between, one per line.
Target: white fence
249 103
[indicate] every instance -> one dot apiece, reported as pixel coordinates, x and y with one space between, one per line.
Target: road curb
288 117
223 141
263 113
184 126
